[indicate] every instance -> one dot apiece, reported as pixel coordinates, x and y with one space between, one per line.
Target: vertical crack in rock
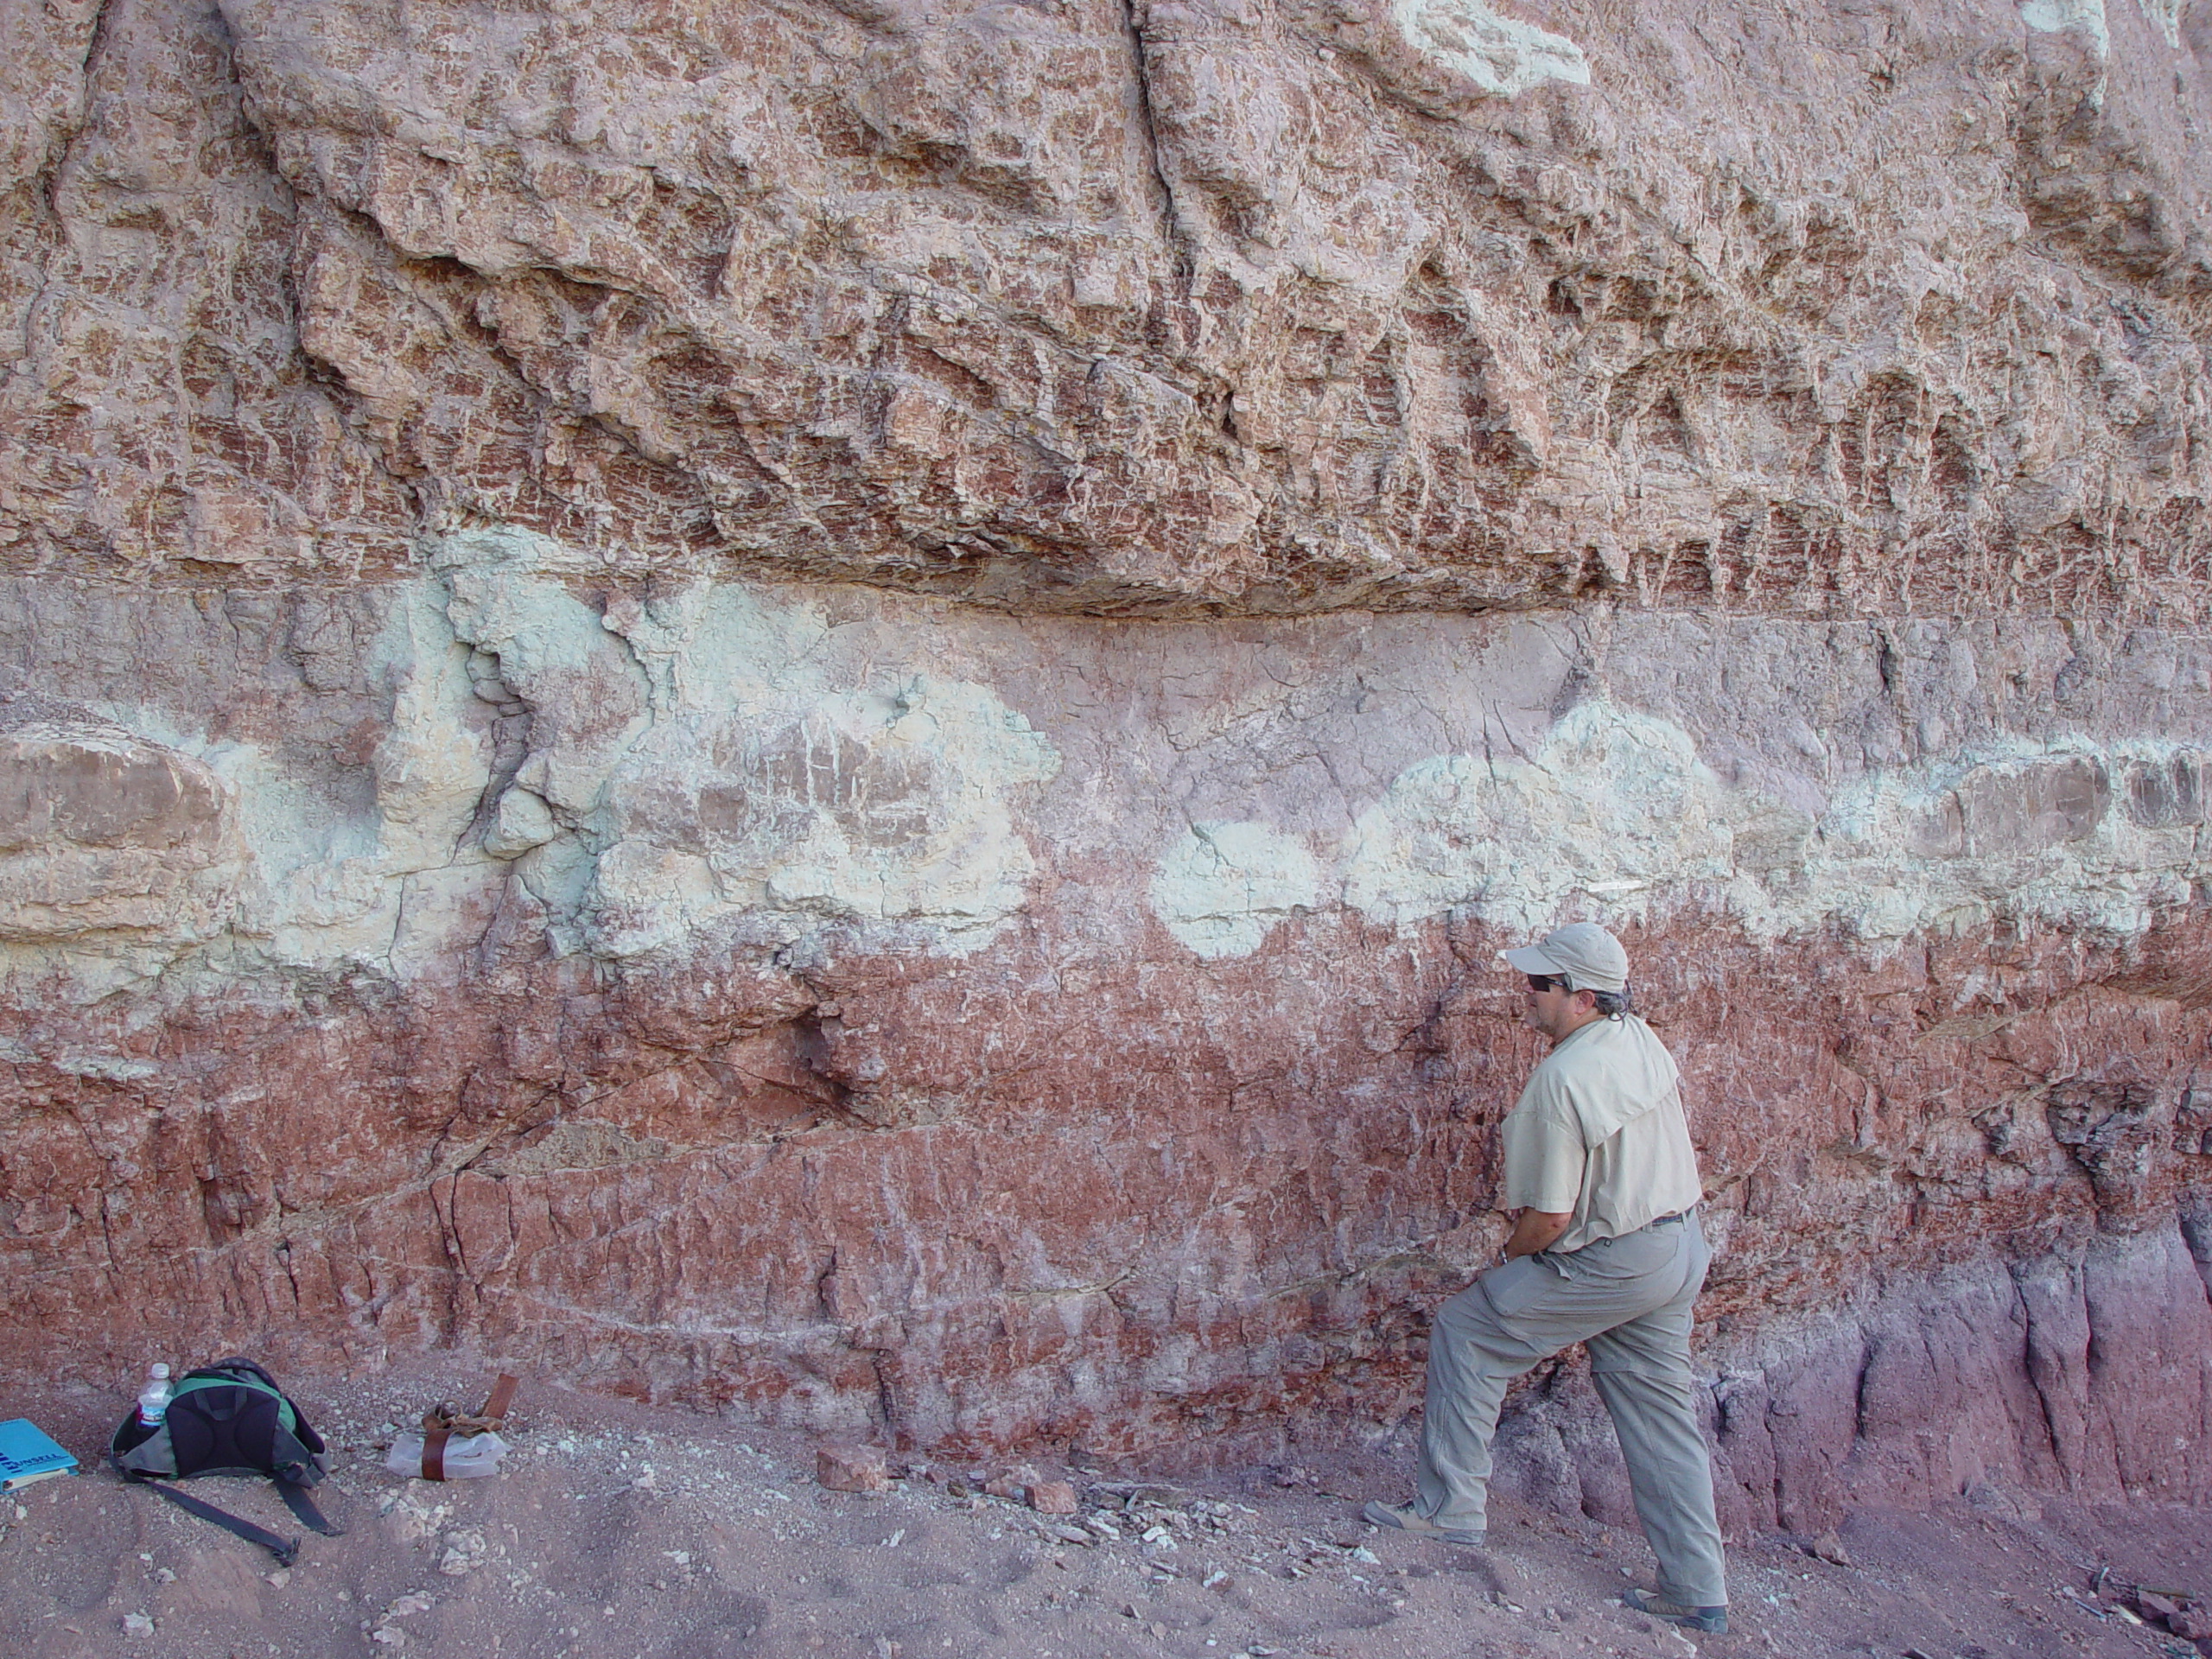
2056 1356
2197 1236
87 70
1170 217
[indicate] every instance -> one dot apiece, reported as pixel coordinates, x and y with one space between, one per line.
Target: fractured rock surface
1090 1030
841 706
1154 306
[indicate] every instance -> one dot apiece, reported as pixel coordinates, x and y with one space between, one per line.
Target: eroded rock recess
838 706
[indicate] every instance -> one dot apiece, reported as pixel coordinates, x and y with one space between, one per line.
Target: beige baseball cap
1582 953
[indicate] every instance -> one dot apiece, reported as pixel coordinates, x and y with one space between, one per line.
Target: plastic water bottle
154 1398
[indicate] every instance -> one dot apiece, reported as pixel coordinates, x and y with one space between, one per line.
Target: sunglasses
1548 983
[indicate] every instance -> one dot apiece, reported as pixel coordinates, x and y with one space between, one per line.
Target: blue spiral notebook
28 1453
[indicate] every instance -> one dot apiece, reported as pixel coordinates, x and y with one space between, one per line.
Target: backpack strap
245 1374
285 1551
238 1363
301 1504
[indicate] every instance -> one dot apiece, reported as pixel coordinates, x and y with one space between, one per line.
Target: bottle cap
159 1369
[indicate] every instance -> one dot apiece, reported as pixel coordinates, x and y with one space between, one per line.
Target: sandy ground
626 1531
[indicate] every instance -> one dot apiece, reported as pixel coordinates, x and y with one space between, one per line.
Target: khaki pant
1628 1300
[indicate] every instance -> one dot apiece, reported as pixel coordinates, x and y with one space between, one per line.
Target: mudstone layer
839 707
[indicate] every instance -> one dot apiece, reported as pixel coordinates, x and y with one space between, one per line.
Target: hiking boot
1406 1519
1711 1619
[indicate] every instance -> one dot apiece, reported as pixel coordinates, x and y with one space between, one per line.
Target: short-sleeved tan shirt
1598 1134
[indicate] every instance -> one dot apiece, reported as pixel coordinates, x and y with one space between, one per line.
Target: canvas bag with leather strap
230 1418
443 1424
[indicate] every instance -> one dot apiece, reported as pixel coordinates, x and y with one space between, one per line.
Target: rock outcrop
840 706
1176 307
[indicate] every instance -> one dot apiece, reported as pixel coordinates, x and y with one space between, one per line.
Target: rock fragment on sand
465 1551
1053 1497
851 1468
1015 1485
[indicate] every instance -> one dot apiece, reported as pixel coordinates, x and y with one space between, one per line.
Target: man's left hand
1534 1230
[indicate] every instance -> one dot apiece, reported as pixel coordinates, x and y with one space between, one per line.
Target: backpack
230 1419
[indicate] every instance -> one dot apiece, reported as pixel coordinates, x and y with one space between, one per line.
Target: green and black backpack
230 1419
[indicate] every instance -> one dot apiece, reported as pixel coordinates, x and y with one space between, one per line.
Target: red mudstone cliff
840 706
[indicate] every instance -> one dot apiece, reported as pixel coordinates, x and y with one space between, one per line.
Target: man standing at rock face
1605 1251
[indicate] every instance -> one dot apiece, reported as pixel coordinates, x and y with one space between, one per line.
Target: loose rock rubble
736 1549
